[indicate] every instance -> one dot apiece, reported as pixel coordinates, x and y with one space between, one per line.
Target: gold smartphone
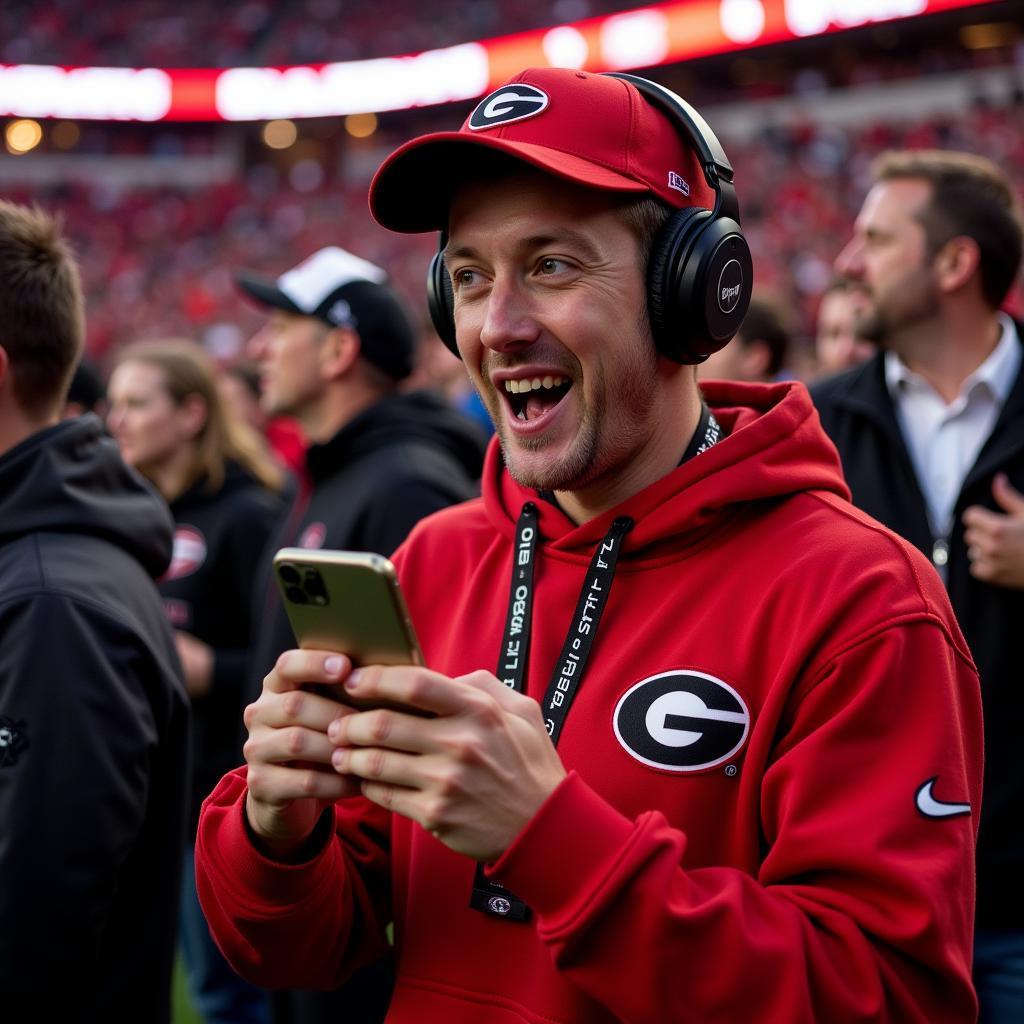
349 602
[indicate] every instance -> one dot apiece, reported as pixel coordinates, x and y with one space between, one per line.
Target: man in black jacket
93 712
333 353
931 435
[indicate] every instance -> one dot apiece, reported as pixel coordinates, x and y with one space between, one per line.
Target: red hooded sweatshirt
774 763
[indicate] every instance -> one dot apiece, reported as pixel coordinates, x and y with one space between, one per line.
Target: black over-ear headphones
699 272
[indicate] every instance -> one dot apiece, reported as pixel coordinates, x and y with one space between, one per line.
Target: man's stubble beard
585 461
882 327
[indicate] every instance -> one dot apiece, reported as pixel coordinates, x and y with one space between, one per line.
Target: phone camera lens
289 574
315 586
296 594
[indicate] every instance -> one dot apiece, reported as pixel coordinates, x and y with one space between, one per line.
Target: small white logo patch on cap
341 314
678 182
509 103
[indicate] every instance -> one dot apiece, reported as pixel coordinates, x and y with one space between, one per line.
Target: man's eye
551 265
463 278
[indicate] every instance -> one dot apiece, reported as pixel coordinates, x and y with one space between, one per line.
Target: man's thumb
1007 496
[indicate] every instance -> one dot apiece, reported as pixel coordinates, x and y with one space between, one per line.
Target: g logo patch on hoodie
681 721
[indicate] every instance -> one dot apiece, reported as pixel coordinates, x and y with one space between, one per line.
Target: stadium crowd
157 262
163 33
259 353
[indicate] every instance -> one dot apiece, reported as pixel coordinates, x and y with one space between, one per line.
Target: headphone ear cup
441 302
722 284
666 308
699 285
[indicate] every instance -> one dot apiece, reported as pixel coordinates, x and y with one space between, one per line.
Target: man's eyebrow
455 252
873 231
564 236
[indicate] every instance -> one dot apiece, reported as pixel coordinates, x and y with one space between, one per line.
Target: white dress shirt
944 440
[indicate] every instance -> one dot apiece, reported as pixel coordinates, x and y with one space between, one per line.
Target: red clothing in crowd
781 835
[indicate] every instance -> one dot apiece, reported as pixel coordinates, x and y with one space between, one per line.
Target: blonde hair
188 370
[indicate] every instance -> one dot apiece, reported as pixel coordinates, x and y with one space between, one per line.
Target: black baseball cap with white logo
343 290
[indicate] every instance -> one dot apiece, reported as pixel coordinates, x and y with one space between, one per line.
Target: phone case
347 601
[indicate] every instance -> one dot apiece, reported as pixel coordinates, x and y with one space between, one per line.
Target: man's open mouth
531 397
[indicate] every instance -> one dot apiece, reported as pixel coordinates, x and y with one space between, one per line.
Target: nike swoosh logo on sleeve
932 808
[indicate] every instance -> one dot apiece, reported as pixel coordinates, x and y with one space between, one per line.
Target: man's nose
849 263
256 346
510 321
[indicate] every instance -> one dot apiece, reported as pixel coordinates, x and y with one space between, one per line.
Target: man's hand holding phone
291 780
468 759
336 601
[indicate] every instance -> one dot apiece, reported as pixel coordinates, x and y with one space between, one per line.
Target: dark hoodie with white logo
93 734
219 538
773 754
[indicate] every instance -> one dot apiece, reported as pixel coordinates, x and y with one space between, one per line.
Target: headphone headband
717 169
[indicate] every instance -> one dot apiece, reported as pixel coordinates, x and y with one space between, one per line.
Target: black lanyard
487 896
515 648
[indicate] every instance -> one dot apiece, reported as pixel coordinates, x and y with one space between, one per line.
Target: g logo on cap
507 104
730 286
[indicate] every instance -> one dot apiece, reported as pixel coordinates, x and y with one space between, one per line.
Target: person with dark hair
94 717
931 435
695 739
223 488
86 392
837 346
336 347
758 352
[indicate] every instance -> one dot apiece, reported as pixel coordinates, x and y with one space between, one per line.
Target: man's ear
339 352
956 263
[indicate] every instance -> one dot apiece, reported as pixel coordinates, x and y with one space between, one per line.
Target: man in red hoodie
729 763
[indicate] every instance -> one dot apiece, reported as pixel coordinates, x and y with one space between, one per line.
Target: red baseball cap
595 130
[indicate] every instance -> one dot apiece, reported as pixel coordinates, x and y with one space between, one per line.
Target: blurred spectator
757 353
94 718
931 435
156 261
438 369
173 426
240 386
86 392
333 353
836 344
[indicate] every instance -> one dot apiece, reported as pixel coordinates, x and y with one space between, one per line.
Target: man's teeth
519 387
